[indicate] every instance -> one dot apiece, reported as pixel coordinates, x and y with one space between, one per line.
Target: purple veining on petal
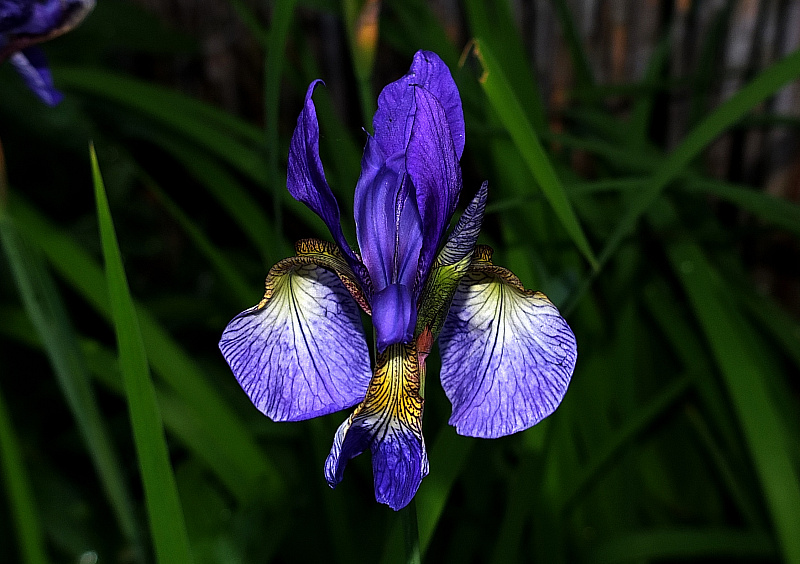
399 457
304 353
389 423
507 357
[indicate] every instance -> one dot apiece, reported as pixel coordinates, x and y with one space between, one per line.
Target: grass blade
210 128
638 422
229 193
45 309
763 429
728 113
20 498
225 432
695 544
583 70
167 524
273 67
226 271
510 53
448 453
509 110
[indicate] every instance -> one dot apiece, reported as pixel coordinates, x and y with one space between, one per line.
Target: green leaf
181 422
229 193
677 544
167 525
227 272
509 110
224 430
448 455
273 68
580 62
728 113
213 129
763 429
45 309
20 498
772 209
640 420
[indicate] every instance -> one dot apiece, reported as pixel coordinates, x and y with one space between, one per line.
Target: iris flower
24 24
507 354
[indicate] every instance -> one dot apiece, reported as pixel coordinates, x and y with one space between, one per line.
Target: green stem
408 515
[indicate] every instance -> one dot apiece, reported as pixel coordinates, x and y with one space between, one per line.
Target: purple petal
389 423
24 23
432 163
302 351
507 355
394 315
306 178
32 65
392 122
14 14
388 224
451 264
461 241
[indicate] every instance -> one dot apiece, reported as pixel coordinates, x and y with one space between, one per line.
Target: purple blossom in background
507 354
24 24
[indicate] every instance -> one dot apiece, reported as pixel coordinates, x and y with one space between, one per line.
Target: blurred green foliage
679 439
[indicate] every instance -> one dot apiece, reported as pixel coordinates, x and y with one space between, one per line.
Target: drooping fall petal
389 423
301 352
507 354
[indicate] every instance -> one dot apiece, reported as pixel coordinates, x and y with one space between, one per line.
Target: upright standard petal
432 164
507 354
306 179
389 231
301 352
388 223
393 120
389 423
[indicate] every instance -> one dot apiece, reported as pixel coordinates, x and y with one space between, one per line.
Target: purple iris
24 24
507 354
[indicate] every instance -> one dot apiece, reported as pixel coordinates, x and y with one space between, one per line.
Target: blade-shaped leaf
761 424
20 497
163 506
45 309
508 108
223 428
